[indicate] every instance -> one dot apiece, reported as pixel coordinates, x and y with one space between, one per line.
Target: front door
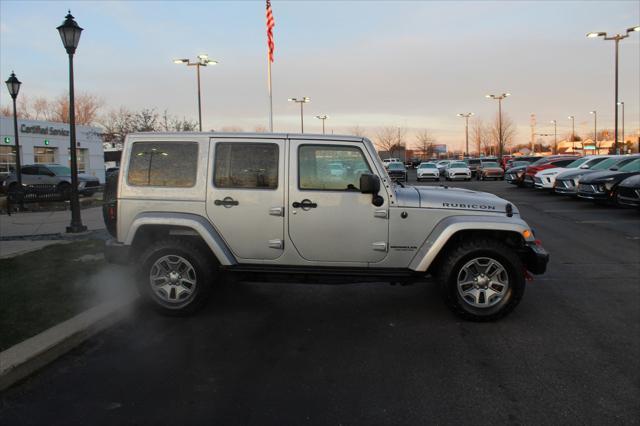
245 199
329 219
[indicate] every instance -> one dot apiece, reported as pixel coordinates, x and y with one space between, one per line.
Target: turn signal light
526 233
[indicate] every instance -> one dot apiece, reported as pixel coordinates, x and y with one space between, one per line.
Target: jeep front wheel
482 280
176 276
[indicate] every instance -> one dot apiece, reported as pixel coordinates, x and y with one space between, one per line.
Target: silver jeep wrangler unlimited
191 209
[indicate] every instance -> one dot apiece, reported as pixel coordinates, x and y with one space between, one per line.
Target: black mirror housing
369 184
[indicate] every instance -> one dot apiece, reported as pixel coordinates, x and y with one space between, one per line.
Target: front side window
246 165
633 166
318 167
172 164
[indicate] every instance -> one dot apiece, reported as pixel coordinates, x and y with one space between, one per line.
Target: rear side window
170 164
246 165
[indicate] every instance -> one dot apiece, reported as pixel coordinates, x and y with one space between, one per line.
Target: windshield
577 162
633 166
458 165
427 166
490 164
396 166
519 163
60 170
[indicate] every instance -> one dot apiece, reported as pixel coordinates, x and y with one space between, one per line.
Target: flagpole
270 92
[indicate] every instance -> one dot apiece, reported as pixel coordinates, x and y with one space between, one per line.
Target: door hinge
379 246
383 214
276 211
276 244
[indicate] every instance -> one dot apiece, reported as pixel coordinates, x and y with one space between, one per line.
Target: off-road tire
203 262
456 257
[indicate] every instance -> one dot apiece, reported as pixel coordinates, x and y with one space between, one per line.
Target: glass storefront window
44 155
82 155
7 159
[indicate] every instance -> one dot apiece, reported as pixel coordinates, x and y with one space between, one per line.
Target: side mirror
584 166
614 168
369 184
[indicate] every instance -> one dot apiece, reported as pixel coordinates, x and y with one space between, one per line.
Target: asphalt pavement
374 353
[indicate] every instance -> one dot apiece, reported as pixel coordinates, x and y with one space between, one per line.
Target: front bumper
567 187
429 176
535 258
115 252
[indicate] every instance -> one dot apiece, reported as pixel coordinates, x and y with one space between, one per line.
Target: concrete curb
27 357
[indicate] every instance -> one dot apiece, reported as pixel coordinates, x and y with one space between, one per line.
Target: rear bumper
535 258
115 252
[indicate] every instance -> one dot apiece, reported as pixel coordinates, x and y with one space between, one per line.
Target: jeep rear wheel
176 276
481 280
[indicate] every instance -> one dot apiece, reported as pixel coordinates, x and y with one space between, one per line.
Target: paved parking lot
374 353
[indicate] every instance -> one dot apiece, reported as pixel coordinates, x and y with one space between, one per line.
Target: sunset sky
414 64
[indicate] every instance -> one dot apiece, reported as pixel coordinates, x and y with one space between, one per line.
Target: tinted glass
490 164
519 163
172 164
427 166
606 163
458 165
316 172
60 170
633 166
561 163
29 170
577 163
396 166
246 165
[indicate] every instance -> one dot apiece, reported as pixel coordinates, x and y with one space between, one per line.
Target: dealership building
46 142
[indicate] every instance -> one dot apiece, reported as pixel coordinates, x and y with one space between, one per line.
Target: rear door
245 195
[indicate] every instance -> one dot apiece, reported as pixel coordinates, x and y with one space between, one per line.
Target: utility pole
466 116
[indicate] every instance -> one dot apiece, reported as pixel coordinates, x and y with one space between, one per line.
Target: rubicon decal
468 206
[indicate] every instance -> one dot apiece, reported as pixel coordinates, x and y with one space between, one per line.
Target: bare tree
502 137
87 107
424 142
357 131
391 140
169 123
479 135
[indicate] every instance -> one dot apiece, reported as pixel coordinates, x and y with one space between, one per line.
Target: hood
606 176
574 173
631 182
552 171
443 197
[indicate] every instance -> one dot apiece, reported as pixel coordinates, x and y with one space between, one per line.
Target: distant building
48 142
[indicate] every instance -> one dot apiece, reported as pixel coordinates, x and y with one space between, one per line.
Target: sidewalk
22 232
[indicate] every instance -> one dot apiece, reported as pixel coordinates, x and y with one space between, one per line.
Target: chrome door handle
227 202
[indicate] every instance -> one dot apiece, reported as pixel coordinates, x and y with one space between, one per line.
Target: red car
546 163
505 159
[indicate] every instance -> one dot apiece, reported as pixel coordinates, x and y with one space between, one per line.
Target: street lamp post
555 136
70 34
573 132
595 129
623 141
323 118
13 84
466 116
617 39
301 101
499 98
202 61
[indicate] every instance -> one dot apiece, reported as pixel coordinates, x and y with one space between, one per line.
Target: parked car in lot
566 183
489 170
397 172
526 158
54 175
473 164
388 161
543 164
457 170
629 192
337 169
601 187
442 165
427 171
515 174
545 179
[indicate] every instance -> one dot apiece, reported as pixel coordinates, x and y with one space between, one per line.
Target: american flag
270 25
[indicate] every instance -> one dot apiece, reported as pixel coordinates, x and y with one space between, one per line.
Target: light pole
466 116
70 34
202 61
323 118
623 141
555 136
499 98
573 132
301 101
595 129
13 84
617 39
